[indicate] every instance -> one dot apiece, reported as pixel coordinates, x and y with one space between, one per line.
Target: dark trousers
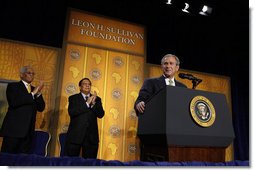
88 150
16 145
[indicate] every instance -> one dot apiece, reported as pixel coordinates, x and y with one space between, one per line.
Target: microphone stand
195 83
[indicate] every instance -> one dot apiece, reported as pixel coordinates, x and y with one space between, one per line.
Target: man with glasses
24 101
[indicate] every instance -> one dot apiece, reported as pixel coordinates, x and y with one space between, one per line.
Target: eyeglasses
30 73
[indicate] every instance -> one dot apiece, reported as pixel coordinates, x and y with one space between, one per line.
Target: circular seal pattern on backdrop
202 111
133 115
135 79
116 94
118 61
95 74
75 54
71 88
114 131
132 148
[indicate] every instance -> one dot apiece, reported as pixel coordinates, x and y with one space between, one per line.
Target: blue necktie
86 98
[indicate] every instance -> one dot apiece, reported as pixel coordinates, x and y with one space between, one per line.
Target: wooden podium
169 130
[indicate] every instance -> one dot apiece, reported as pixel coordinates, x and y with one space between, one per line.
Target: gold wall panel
72 73
135 81
114 106
117 78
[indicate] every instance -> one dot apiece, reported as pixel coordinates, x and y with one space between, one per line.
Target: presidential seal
202 111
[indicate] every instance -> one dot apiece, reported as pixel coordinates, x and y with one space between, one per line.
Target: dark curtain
240 107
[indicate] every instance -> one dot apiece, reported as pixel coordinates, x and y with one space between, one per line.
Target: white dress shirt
170 82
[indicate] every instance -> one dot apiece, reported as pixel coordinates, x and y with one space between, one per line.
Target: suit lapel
22 86
81 98
162 82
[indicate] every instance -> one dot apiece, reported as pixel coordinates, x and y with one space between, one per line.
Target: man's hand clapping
38 89
91 99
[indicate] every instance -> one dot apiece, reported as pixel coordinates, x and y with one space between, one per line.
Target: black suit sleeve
97 108
21 115
40 103
17 97
145 92
150 88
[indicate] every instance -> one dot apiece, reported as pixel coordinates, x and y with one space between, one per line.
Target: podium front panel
182 130
152 124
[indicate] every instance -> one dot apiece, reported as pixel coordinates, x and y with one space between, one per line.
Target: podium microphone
195 81
187 76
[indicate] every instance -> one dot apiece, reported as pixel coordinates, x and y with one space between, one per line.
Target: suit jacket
83 120
21 115
151 87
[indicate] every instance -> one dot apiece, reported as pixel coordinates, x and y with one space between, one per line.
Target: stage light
186 8
206 10
169 2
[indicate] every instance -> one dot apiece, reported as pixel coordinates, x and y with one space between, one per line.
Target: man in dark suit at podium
170 65
84 109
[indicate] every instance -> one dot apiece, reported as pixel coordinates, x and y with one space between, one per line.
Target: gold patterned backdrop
117 78
44 60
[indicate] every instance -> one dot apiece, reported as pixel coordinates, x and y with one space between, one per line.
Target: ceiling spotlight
206 10
169 2
186 8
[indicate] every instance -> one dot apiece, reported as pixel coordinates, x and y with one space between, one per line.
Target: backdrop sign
103 32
